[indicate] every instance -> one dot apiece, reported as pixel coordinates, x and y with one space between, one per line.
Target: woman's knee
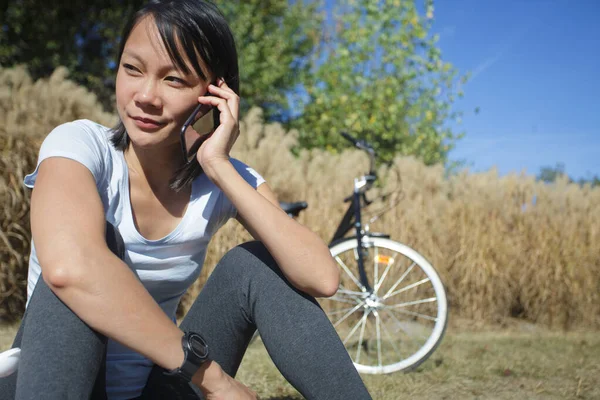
252 266
249 267
253 251
248 257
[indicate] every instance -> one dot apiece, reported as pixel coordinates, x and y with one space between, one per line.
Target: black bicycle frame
351 218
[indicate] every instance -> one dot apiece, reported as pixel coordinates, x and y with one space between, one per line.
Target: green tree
272 37
551 174
593 181
380 76
81 36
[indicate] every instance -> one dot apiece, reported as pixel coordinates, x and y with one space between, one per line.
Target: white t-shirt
166 267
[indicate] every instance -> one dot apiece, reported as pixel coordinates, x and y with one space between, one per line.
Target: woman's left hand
217 147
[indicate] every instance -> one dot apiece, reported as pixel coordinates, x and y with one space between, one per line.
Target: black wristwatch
195 352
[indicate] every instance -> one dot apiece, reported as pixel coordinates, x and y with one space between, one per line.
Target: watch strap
192 361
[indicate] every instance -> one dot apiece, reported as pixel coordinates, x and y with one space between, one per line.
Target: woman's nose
148 94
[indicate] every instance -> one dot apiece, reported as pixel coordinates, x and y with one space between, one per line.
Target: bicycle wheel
403 320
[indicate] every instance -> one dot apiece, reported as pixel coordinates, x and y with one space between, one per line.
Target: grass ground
517 362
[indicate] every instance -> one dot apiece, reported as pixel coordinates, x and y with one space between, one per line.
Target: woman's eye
176 80
130 68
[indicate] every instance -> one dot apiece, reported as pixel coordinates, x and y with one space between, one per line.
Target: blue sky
535 68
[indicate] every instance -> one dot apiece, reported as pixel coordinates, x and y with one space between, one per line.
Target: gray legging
63 358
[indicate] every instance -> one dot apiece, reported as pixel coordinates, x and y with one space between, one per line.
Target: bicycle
394 314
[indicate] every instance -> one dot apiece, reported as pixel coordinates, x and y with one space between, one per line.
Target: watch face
198 346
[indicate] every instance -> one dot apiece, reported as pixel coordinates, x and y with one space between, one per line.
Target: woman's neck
155 167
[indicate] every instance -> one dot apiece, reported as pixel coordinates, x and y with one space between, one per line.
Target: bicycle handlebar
349 138
363 145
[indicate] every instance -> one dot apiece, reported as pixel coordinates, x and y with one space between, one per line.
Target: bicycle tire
384 309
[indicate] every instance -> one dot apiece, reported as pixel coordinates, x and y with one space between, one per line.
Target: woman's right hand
218 385
230 389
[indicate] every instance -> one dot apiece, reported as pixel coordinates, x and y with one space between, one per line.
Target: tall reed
505 246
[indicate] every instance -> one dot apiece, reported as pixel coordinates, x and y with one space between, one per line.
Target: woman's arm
68 228
300 253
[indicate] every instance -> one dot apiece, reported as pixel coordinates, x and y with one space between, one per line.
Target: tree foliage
273 37
83 36
372 69
551 174
380 76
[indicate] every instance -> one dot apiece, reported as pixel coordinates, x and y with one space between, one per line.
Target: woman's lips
147 123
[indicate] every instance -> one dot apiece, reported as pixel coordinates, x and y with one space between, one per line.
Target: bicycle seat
293 208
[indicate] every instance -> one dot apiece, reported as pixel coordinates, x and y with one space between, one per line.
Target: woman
120 224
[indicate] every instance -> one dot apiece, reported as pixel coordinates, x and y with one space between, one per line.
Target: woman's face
153 97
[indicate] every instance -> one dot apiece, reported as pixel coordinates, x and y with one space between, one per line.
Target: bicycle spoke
376 267
342 290
416 314
422 281
378 330
360 339
407 333
336 312
359 305
383 276
345 268
399 323
400 280
356 327
385 330
411 303
344 295
351 293
341 300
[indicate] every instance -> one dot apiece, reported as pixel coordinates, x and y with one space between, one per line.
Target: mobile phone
199 111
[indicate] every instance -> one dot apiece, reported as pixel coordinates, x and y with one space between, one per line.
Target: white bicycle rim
441 308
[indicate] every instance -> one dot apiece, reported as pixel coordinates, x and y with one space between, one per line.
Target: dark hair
196 27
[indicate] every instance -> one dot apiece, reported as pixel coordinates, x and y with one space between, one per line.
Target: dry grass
504 246
30 108
28 111
17 155
484 365
521 362
500 252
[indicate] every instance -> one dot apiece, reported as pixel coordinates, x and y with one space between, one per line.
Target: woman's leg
61 357
247 290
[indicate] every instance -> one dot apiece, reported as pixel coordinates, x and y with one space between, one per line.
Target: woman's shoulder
78 134
82 129
84 141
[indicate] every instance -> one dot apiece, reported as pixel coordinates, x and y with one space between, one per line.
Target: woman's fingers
227 102
222 105
233 99
224 91
228 123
